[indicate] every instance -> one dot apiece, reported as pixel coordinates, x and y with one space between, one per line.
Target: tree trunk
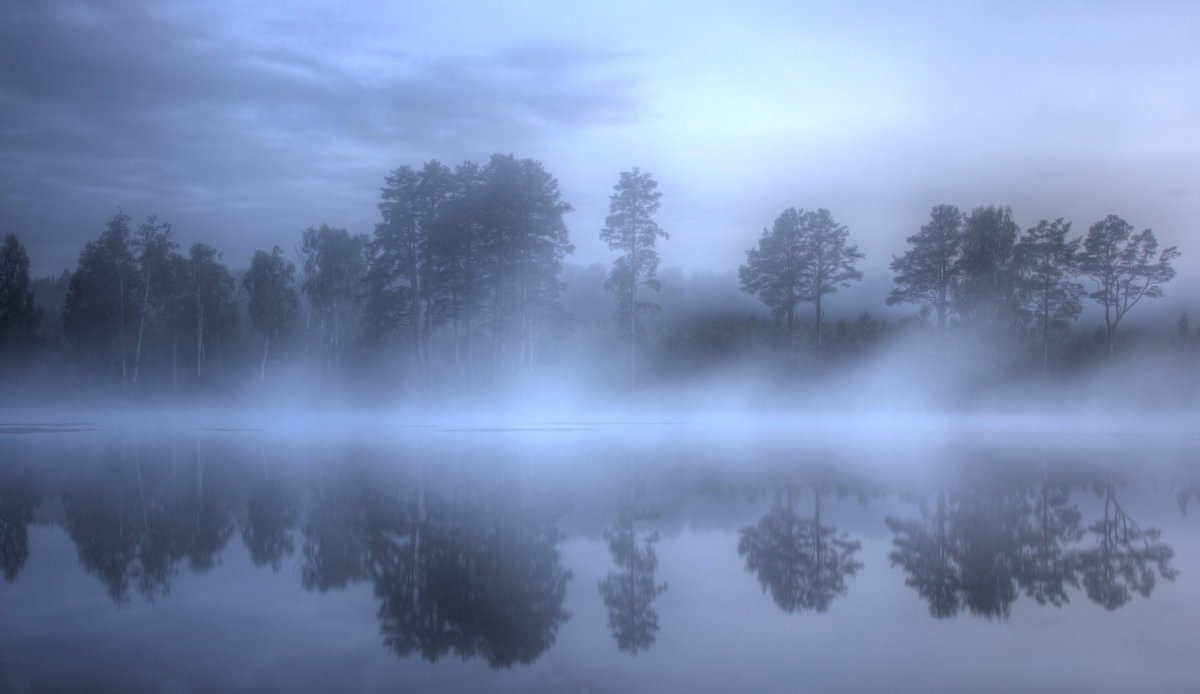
819 321
121 328
199 338
137 354
633 283
262 375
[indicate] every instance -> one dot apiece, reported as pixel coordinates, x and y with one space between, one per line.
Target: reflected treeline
17 501
630 590
981 546
466 571
134 521
800 560
463 557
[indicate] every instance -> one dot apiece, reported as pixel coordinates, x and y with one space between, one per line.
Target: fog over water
539 347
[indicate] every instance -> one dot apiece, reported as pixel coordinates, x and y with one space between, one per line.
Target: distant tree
1048 261
49 295
210 302
988 290
334 265
803 258
18 314
928 272
154 249
1124 268
631 230
102 297
399 279
457 252
523 248
273 300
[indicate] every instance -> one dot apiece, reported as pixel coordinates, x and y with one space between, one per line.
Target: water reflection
475 573
460 553
133 523
1125 558
802 562
17 501
629 591
991 540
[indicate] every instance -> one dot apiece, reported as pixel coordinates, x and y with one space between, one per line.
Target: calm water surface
595 558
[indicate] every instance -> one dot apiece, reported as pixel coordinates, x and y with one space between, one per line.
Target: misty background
242 127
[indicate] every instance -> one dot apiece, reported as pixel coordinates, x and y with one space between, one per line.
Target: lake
596 557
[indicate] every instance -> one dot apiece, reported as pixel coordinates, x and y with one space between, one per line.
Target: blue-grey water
587 557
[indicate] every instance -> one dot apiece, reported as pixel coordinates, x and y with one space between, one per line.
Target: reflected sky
569 561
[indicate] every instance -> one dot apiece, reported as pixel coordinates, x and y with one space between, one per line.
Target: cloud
137 105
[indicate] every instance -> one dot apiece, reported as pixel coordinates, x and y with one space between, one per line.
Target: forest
460 290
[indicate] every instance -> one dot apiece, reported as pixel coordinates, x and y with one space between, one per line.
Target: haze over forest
389 203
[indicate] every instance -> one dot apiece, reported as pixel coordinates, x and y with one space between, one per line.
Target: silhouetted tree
209 300
523 249
928 272
273 299
399 279
803 258
18 314
630 229
802 562
988 292
334 265
155 250
101 296
630 591
1124 268
1048 261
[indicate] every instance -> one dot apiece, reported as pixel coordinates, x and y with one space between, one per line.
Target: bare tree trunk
137 354
262 375
820 319
633 283
199 337
121 328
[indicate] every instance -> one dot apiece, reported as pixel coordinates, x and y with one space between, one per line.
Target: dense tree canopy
801 259
17 310
273 300
928 272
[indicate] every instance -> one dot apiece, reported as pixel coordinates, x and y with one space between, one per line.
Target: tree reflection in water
991 541
1125 557
470 573
17 501
629 591
803 563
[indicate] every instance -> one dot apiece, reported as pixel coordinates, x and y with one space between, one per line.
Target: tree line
461 281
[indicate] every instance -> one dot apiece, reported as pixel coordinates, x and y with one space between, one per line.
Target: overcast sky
243 123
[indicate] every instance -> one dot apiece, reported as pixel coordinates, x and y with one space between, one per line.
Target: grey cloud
120 104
